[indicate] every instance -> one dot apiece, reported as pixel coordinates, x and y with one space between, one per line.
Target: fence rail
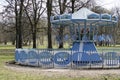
46 58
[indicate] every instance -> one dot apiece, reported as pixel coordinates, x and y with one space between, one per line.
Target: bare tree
49 10
75 5
116 11
7 25
34 10
16 7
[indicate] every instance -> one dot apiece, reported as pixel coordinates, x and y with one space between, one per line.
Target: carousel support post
79 38
84 32
114 34
90 34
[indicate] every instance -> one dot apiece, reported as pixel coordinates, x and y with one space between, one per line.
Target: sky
2 3
105 3
109 4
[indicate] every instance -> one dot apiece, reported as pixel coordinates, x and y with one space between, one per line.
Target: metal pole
79 32
85 26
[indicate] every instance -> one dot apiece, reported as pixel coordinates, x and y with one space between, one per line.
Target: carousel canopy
83 14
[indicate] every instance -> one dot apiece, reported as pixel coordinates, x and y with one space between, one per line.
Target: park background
31 21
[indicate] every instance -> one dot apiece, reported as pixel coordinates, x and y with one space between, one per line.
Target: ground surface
65 72
29 73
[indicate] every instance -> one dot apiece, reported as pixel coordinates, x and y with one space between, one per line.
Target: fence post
90 59
53 51
38 57
102 59
71 58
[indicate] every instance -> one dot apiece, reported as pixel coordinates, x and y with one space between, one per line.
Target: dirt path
64 72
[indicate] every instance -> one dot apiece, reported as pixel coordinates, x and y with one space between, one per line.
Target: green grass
8 74
7 47
66 46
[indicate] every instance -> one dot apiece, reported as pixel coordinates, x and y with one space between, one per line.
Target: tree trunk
13 42
16 24
20 37
34 39
62 10
73 3
20 24
5 42
61 37
49 9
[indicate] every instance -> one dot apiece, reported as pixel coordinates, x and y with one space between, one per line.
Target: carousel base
86 52
81 54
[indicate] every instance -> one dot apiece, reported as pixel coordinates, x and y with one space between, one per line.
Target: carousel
83 27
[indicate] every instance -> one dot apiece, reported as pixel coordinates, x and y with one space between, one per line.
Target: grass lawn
66 46
8 74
